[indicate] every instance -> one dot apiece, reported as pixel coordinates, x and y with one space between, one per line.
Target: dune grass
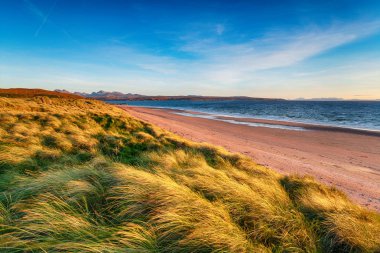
79 175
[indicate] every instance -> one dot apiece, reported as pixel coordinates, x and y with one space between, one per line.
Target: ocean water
349 114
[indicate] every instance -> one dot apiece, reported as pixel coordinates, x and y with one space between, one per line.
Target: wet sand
345 158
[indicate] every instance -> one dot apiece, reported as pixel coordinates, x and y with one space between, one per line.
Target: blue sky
286 49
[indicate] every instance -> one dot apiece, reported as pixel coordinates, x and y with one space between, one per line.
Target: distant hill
197 98
333 99
24 93
105 95
320 99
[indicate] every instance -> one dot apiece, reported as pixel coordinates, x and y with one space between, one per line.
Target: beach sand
347 159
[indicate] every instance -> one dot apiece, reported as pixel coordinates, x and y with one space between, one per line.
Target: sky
282 49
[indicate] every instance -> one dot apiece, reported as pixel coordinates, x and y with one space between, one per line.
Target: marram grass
84 176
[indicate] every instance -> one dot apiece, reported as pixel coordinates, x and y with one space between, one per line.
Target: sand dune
349 160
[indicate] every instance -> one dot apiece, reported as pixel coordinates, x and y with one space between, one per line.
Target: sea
364 115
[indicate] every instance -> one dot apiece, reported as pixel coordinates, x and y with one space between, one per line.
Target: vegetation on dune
83 176
27 93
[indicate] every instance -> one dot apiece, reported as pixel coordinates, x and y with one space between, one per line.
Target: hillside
113 95
25 93
79 175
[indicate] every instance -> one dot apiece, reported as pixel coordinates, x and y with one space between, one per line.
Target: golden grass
79 175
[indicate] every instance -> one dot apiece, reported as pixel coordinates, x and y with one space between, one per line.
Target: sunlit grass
84 176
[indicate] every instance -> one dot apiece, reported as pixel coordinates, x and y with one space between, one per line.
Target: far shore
348 159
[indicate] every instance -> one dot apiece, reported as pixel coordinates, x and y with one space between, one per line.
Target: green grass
84 176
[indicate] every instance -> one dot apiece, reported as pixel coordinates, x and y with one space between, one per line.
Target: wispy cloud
233 63
219 29
280 49
45 18
36 11
133 60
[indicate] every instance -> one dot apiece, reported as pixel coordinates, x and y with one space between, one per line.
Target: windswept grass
82 176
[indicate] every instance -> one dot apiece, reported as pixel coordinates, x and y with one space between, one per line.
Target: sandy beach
347 159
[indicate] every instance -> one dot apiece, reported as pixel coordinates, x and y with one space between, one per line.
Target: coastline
345 117
348 159
300 126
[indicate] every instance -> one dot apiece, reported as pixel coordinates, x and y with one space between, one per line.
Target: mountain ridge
114 95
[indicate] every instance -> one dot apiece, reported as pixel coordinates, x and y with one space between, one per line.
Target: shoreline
268 122
346 159
282 122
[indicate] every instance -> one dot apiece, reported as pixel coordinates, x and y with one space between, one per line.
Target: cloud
37 12
281 49
258 67
219 29
233 63
134 60
253 63
45 18
34 9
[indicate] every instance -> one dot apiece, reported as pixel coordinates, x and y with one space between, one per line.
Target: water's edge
322 116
